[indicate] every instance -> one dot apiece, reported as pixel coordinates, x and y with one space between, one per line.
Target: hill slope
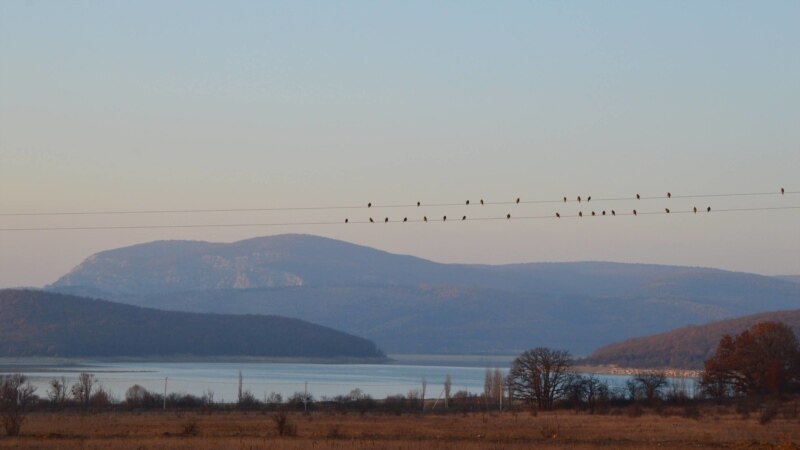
408 304
685 347
37 323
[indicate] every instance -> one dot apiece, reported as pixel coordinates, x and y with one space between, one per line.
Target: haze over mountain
38 323
408 304
686 347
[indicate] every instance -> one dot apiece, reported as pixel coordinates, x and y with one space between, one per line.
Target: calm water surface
324 380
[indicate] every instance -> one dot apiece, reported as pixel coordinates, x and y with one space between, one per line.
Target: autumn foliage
764 359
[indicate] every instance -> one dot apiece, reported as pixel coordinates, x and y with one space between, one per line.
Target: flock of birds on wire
557 214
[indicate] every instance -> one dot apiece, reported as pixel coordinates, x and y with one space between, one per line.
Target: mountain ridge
40 323
397 300
683 348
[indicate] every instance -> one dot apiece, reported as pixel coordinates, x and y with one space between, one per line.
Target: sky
152 105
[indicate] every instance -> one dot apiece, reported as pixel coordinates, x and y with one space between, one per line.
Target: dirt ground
715 428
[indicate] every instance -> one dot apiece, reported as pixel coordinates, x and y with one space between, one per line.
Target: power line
379 206
586 216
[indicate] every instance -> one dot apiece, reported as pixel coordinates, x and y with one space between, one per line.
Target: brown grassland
716 427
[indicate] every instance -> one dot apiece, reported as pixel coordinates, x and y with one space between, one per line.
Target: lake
262 378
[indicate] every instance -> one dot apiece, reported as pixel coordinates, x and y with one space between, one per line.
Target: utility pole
165 392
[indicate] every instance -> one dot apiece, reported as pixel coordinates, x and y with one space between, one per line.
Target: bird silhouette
695 209
634 212
425 218
604 213
580 214
782 191
589 198
386 220
669 194
579 199
346 220
565 199
518 200
558 215
481 201
405 219
708 209
508 216
638 197
592 212
667 210
613 213
444 218
467 202
464 218
371 221
369 205
418 203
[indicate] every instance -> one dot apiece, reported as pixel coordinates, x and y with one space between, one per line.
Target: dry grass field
716 428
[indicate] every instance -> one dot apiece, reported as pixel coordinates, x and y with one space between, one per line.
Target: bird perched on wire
589 198
369 205
558 215
638 197
604 213
444 218
481 201
418 203
386 220
467 202
695 209
346 220
518 200
580 213
565 199
425 218
371 221
579 199
782 191
613 213
667 210
634 212
669 194
508 216
405 219
464 218
708 210
592 212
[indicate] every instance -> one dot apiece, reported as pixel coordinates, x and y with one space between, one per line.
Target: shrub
283 425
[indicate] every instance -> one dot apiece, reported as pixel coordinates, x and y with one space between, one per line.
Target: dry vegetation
669 427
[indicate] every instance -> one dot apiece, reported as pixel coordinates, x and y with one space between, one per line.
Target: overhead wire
507 217
371 205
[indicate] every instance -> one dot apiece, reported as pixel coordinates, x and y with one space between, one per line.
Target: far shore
59 364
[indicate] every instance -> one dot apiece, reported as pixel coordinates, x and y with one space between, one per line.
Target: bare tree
539 376
487 388
16 393
239 397
651 383
448 384
83 388
57 393
497 388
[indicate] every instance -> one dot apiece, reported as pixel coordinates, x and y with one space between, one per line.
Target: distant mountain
408 304
792 278
38 323
685 347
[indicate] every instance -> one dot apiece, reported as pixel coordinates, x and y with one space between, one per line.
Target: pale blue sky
189 104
